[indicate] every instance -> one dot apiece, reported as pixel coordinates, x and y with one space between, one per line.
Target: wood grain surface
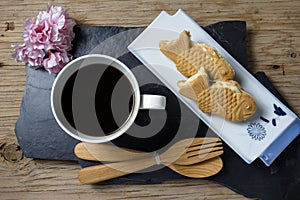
273 40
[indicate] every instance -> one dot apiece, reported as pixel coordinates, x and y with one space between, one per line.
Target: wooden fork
185 152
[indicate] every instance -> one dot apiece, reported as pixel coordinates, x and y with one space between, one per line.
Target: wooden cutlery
193 157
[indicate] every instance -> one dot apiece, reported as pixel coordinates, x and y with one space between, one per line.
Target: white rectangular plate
249 139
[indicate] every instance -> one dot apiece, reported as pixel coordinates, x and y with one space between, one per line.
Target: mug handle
151 101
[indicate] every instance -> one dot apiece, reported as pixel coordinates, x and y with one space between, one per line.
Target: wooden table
273 47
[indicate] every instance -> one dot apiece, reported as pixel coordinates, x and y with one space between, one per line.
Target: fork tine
192 142
200 150
196 158
203 146
205 140
203 151
213 154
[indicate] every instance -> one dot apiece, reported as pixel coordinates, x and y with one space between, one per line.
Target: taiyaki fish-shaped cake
190 56
202 65
194 85
223 98
227 99
173 48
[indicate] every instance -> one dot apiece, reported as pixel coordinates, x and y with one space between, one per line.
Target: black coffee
97 100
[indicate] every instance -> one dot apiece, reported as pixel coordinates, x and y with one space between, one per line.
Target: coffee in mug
95 98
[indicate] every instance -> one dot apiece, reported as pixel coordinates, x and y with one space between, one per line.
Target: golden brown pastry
190 56
194 85
202 64
174 47
228 100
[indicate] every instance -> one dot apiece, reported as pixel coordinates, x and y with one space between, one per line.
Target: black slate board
40 137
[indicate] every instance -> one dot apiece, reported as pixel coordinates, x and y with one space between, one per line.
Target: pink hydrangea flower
52 31
56 61
29 55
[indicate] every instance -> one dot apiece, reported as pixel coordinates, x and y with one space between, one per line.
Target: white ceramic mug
87 85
